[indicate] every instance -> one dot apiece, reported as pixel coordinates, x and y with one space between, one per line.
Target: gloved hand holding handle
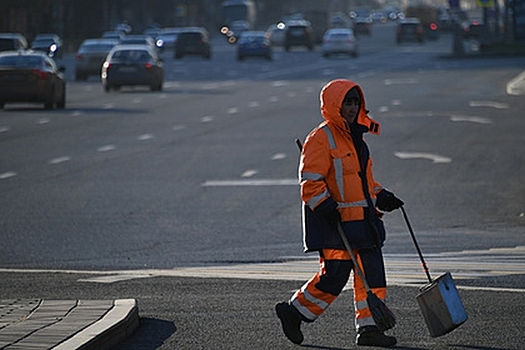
387 201
327 210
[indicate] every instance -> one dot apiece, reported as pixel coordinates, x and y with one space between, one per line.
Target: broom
383 317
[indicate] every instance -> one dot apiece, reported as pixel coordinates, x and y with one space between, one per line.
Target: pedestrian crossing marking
401 269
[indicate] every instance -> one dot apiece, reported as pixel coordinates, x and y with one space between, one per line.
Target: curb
118 324
40 324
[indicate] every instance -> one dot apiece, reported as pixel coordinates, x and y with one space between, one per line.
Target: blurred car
235 29
472 29
298 33
276 33
91 55
409 29
254 44
340 41
31 76
139 39
167 37
193 41
379 16
51 44
362 25
113 35
130 65
12 41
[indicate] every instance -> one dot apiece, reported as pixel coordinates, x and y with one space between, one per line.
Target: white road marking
396 102
145 137
402 81
59 160
7 175
43 121
491 104
264 182
233 110
76 113
206 119
4 128
279 83
249 173
178 127
106 148
278 156
109 105
480 120
274 99
401 269
383 109
517 85
254 104
414 155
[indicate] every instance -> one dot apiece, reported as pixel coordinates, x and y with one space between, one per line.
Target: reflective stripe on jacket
330 167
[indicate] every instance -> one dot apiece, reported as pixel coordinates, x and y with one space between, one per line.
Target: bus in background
237 16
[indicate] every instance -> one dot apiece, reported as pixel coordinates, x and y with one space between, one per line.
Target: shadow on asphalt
150 335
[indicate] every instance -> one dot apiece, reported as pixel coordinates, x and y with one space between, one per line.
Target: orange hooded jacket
329 165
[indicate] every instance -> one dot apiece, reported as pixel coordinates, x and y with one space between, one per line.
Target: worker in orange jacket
338 187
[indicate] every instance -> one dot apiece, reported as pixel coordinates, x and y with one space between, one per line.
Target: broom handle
352 255
423 263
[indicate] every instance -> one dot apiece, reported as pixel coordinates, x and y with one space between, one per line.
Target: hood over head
332 96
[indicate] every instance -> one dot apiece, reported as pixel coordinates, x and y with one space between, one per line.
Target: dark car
363 25
254 44
409 29
298 33
31 77
131 65
472 29
193 41
12 41
91 55
51 44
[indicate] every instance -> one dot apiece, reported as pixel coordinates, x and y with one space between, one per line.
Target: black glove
327 210
386 201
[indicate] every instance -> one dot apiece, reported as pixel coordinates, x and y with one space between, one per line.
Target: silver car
340 41
91 55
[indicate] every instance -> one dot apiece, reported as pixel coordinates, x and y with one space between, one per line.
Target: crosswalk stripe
401 269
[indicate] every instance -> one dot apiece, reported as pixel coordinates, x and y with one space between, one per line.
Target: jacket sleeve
315 166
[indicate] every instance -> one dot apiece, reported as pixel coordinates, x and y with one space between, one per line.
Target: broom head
383 317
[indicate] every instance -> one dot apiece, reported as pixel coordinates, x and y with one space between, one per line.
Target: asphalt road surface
186 198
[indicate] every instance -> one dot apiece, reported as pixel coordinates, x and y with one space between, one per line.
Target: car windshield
338 35
189 37
44 41
131 55
251 38
20 61
6 44
97 48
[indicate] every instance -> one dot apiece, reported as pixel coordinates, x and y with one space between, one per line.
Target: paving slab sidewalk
37 324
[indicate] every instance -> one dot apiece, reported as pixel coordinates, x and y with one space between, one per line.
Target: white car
340 41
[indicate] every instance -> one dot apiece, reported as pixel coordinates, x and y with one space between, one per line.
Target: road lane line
264 182
491 104
414 155
7 175
59 160
480 120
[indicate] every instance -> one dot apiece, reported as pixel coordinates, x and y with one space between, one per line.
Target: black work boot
290 321
372 336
